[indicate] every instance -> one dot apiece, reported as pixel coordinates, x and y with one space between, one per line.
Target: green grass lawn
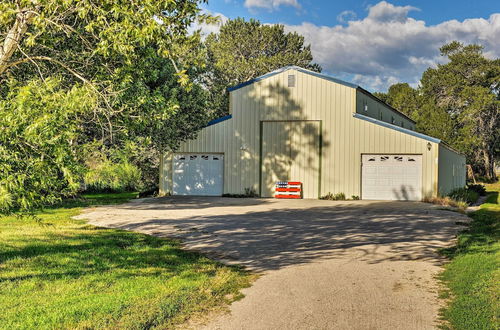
63 273
473 275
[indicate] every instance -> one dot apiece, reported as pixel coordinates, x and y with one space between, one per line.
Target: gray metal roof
396 128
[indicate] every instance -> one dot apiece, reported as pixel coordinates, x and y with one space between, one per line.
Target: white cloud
387 12
205 28
346 15
270 4
388 46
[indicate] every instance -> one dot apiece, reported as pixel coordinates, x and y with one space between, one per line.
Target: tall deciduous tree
458 102
73 71
467 88
156 105
243 50
88 41
402 97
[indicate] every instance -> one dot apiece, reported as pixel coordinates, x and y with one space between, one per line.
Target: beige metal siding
276 155
290 152
452 170
344 138
378 110
389 141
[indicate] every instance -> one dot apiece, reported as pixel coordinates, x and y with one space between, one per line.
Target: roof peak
292 67
319 75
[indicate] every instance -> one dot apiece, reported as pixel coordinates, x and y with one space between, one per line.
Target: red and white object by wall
288 190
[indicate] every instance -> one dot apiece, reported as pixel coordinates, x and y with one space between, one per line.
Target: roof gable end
287 68
318 75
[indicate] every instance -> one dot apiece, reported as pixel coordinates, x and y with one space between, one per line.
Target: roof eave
218 120
397 128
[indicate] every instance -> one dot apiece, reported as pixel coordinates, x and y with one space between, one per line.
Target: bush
145 157
336 197
464 195
447 201
479 188
108 176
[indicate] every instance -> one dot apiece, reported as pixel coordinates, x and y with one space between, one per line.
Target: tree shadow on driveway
280 236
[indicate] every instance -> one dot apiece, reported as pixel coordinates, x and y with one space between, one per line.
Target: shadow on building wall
290 143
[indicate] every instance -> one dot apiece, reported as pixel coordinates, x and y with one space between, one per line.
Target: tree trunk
13 38
489 165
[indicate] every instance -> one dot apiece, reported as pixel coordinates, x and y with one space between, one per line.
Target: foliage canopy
39 154
76 74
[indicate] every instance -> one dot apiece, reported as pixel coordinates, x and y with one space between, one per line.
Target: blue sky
375 43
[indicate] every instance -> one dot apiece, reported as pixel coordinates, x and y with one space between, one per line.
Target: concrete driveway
325 264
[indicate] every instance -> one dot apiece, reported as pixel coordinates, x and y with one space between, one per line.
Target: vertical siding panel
329 129
305 91
451 170
255 142
397 143
361 139
314 175
373 141
327 126
316 93
393 136
310 96
280 96
357 138
339 168
338 141
240 163
305 171
349 143
235 142
251 151
386 141
306 95
272 94
229 154
259 105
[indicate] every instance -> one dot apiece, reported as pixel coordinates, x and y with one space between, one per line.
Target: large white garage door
391 177
198 174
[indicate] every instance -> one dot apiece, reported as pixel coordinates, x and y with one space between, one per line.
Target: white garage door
198 174
391 177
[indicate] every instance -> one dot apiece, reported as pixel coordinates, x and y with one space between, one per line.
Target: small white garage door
198 174
391 177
